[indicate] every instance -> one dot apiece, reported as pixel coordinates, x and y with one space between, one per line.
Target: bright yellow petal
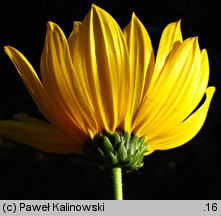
187 94
59 79
170 36
174 95
101 59
40 135
180 96
185 131
32 82
141 64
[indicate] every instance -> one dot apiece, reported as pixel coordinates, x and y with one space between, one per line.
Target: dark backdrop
189 172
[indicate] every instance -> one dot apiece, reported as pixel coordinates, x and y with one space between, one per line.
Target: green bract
122 150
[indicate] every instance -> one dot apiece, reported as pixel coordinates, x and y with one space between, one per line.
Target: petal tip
7 49
211 90
94 7
133 15
134 18
51 26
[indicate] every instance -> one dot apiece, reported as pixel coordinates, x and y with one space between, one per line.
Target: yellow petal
174 93
141 64
32 82
37 90
24 117
59 79
184 93
72 37
101 59
40 135
185 131
170 36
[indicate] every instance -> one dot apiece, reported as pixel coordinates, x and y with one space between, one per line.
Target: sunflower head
103 86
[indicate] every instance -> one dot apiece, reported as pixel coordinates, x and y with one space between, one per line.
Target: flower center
110 150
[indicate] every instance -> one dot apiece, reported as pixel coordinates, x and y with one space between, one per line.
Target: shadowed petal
37 90
40 135
72 37
32 82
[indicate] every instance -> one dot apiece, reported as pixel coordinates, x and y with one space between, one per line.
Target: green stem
117 183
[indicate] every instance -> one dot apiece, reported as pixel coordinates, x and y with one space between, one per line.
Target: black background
189 172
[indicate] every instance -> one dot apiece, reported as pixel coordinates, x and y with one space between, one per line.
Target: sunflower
106 80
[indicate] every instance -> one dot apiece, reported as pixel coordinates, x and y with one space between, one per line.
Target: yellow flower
103 78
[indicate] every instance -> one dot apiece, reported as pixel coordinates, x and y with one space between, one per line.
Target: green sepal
126 138
136 160
115 139
133 146
107 146
122 152
101 153
113 159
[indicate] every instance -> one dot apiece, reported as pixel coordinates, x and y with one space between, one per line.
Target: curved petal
185 131
141 63
183 95
59 79
186 95
40 135
170 36
36 89
24 117
32 82
175 94
72 37
101 59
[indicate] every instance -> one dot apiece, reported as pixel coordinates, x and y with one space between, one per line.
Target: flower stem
117 183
